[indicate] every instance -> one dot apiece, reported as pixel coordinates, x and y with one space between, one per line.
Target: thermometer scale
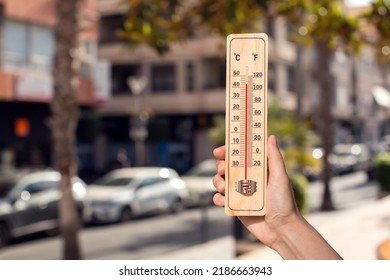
246 124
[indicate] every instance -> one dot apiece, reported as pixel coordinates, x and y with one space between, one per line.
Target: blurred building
368 90
26 50
186 90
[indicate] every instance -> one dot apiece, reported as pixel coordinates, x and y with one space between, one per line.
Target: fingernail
274 141
219 184
220 200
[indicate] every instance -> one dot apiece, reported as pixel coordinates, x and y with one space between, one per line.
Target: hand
281 207
282 228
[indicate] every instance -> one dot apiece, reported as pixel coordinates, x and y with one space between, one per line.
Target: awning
381 96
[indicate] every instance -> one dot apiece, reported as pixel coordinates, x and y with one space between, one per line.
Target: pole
139 121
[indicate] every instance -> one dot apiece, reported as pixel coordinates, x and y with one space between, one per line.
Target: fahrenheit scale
246 124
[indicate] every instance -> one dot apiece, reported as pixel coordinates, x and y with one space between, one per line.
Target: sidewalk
354 233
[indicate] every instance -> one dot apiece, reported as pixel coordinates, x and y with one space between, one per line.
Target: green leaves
294 137
155 23
322 20
158 23
382 169
379 18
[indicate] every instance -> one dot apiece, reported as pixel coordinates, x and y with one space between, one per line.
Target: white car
199 181
131 192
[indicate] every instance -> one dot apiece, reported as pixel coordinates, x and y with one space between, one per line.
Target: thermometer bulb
246 187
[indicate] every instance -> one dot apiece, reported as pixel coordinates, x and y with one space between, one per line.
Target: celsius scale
246 124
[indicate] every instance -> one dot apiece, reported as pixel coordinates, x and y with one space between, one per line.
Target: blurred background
151 93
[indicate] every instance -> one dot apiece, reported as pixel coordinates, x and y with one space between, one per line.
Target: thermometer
246 124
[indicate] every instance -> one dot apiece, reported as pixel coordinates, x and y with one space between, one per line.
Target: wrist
297 239
285 233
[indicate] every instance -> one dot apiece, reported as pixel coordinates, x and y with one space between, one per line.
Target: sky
356 3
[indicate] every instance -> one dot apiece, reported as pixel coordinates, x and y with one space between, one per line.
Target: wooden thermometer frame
246 124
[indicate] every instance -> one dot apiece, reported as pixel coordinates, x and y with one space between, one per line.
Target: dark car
354 157
29 203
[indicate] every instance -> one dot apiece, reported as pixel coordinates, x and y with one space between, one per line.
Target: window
190 77
290 78
342 98
214 74
87 54
120 74
290 31
151 181
271 76
15 43
315 94
163 78
42 46
41 186
109 27
28 45
270 28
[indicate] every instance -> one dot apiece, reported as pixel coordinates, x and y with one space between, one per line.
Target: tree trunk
299 82
1 31
63 123
326 125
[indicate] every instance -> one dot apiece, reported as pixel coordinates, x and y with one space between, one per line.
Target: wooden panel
246 124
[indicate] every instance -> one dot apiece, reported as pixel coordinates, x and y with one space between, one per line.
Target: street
137 239
156 235
347 191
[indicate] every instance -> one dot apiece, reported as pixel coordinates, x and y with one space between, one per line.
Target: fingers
219 180
219 183
219 200
221 167
219 152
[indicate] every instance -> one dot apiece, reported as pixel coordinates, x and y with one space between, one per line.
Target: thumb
276 167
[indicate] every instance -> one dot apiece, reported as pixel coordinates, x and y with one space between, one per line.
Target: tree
64 107
324 25
157 23
1 28
378 17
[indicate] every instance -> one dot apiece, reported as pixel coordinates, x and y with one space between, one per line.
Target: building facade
27 48
167 119
185 91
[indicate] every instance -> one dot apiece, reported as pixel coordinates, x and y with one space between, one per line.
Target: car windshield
204 169
343 153
114 181
202 173
5 188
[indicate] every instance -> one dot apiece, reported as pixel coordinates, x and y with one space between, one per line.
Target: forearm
300 241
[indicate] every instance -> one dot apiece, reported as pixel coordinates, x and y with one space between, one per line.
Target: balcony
33 86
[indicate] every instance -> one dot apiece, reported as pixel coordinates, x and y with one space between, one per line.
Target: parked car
131 192
199 183
29 203
347 158
351 158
